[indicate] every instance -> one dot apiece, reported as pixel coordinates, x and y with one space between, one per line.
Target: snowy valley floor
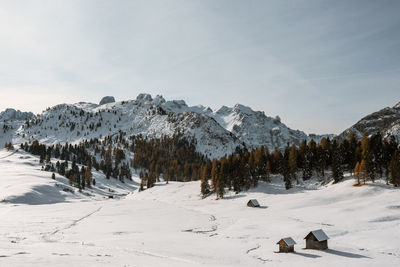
170 225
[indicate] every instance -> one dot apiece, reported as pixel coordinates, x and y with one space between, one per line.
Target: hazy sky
319 65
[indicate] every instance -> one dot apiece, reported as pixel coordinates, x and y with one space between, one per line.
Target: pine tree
357 173
237 182
307 164
268 171
368 166
286 169
293 162
337 171
394 169
351 158
220 187
47 159
205 187
214 174
276 161
9 146
288 182
363 171
322 153
88 176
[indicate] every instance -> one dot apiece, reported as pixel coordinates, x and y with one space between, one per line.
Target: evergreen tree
337 171
307 164
268 171
88 176
9 146
220 188
357 174
237 177
394 169
293 162
214 174
322 159
363 171
351 158
205 187
366 163
286 169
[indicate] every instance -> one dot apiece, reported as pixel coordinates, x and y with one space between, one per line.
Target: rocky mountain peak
107 99
12 114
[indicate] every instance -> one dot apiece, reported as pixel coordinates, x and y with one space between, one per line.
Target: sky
320 65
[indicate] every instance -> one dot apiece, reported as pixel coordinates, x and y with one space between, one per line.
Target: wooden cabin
317 239
286 245
253 203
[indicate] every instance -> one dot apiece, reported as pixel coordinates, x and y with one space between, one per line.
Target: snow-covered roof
288 240
319 235
255 202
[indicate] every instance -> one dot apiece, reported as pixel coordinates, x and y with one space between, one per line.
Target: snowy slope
23 182
170 225
10 121
256 129
385 121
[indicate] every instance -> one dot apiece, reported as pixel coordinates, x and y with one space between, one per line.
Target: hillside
137 230
23 182
385 121
10 121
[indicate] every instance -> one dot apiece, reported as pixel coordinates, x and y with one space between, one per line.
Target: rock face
107 99
385 121
255 129
17 115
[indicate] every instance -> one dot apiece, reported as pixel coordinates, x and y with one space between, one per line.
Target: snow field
171 225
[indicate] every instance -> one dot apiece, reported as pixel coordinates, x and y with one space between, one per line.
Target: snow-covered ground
23 182
170 225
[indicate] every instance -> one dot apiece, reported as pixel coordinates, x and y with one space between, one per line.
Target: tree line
175 158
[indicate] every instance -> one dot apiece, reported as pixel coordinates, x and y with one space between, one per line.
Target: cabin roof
288 240
319 235
255 202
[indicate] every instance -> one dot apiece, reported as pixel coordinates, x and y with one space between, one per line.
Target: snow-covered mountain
11 114
215 133
385 121
255 129
10 121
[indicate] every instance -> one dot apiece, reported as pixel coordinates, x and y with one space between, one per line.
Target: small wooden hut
253 203
286 245
317 239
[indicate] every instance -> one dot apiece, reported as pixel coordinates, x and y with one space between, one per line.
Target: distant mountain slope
216 133
11 114
10 121
385 121
255 129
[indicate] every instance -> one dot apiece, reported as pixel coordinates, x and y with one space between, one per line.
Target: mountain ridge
385 121
215 132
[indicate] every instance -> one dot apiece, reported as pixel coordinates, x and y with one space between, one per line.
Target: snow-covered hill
385 121
10 121
171 225
215 133
22 181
